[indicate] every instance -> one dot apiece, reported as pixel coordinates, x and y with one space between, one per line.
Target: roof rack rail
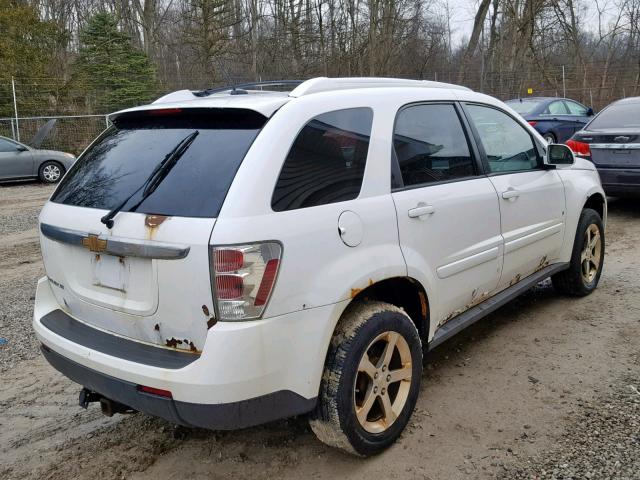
240 89
325 84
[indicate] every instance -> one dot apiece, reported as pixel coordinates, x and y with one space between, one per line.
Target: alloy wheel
383 382
591 255
51 173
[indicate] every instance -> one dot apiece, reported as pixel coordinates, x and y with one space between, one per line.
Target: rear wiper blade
156 177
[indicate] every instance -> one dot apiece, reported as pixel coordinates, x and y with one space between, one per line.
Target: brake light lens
160 112
581 149
533 123
243 277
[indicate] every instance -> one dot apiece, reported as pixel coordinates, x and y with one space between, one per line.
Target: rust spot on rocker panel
156 327
211 322
543 263
205 310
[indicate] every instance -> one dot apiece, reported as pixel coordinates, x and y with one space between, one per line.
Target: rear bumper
226 416
248 372
620 181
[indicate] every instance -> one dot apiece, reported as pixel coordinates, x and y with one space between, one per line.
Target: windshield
126 154
524 106
623 115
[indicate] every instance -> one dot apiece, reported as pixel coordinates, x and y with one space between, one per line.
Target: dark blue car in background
557 119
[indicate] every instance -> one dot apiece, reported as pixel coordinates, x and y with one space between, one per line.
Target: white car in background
229 257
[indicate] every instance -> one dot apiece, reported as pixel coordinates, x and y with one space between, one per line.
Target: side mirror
589 112
21 148
558 154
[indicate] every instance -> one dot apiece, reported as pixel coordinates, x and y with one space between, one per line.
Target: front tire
50 172
587 258
549 137
371 379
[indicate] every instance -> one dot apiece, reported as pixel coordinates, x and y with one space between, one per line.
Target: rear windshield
524 106
623 115
125 155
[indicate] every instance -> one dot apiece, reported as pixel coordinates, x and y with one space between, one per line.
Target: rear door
559 120
448 213
15 162
532 203
577 114
148 277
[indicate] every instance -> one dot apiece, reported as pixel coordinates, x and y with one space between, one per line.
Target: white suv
225 258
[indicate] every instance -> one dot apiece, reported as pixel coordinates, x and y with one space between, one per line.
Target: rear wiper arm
156 177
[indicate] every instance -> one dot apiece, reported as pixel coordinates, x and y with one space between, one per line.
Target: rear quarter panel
317 267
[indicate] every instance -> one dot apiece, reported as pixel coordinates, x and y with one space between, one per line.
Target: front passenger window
6 146
508 146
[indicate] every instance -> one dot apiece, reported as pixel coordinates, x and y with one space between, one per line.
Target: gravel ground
21 266
545 387
603 441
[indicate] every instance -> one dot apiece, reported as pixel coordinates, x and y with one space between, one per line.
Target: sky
464 11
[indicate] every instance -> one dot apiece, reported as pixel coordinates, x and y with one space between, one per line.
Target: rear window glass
624 115
125 155
524 106
326 162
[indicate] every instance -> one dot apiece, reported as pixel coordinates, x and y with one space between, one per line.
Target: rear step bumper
66 326
225 416
273 365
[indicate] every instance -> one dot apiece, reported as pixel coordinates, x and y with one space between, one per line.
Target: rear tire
50 172
371 379
587 258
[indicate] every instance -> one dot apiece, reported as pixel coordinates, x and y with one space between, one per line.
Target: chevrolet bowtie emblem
94 243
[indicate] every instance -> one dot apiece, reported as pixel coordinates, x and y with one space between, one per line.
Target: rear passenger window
508 146
431 145
326 162
557 108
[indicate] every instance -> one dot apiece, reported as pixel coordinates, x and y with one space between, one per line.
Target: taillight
243 278
581 149
533 123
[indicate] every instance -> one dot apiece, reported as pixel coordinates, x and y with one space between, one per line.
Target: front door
448 215
15 162
532 203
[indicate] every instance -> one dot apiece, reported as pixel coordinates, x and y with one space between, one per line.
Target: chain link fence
71 133
80 117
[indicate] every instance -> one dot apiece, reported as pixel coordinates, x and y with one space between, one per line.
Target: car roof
627 101
266 102
544 99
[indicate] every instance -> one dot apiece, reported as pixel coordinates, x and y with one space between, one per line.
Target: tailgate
140 280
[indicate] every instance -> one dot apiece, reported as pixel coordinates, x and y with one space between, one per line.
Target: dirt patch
509 397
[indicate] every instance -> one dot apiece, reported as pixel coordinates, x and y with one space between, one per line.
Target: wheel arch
597 202
403 292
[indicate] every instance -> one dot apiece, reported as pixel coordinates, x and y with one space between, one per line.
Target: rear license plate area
110 272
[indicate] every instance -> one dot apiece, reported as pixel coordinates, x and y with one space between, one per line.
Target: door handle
510 193
420 210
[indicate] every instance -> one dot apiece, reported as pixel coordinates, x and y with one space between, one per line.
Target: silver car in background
19 161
